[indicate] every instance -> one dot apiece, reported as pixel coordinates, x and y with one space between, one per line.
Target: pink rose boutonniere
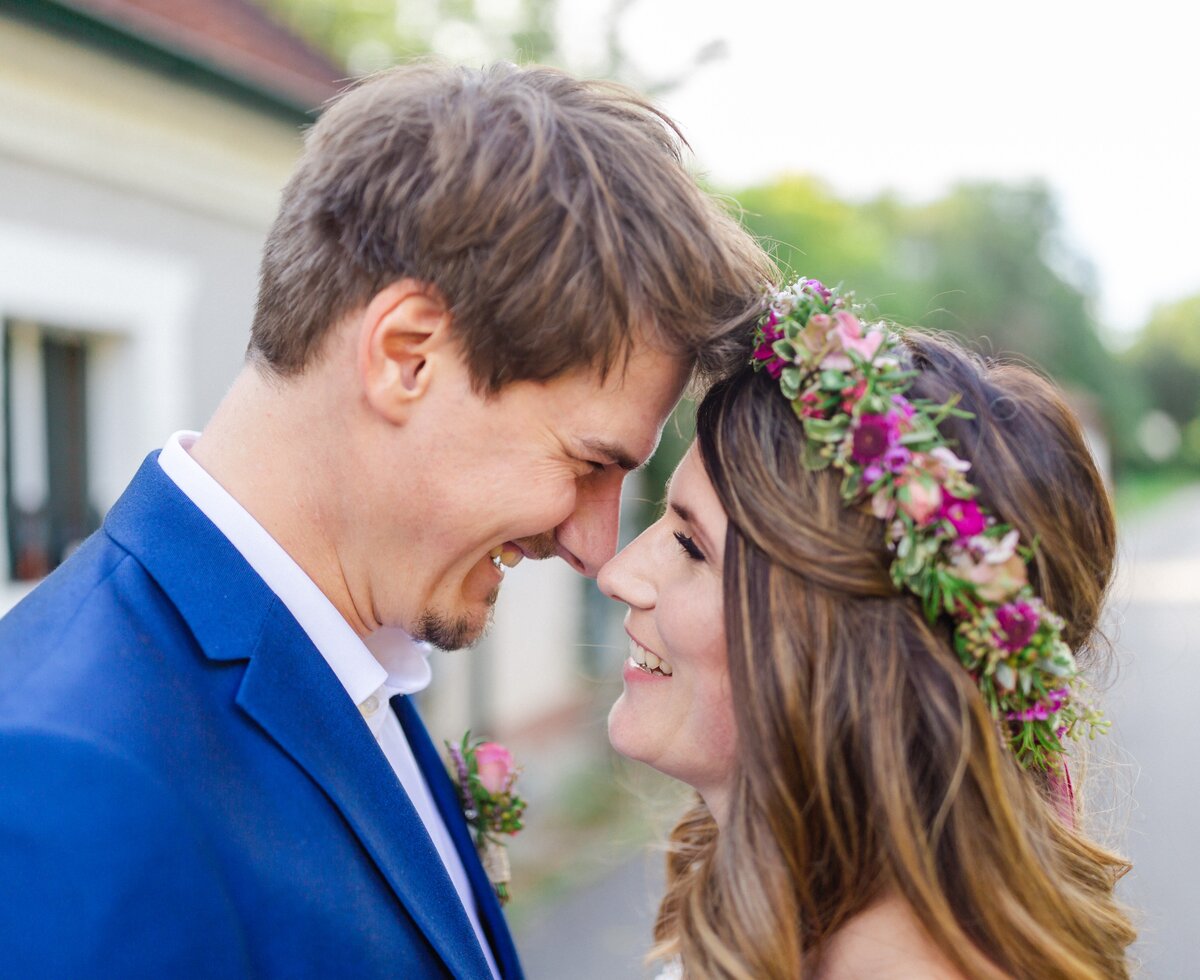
487 776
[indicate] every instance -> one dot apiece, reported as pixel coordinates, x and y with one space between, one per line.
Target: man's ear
405 330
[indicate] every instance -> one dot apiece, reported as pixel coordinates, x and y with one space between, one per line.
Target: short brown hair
554 215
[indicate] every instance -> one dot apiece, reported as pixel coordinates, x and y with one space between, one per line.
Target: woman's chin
624 732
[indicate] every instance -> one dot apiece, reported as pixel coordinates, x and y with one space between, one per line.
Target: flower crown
848 384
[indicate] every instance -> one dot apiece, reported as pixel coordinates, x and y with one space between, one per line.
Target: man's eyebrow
611 452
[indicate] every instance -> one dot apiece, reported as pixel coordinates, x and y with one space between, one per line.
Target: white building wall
133 210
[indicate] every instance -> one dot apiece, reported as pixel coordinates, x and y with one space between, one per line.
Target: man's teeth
649 662
508 557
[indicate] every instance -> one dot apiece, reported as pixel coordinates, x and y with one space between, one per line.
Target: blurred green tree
986 261
367 35
1167 355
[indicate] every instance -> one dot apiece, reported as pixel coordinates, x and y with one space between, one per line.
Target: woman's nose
626 576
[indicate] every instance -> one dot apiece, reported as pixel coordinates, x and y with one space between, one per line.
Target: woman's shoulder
887 942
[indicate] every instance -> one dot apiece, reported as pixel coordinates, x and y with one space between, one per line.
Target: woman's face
676 712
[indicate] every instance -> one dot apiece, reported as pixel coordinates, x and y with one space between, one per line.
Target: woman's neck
885 941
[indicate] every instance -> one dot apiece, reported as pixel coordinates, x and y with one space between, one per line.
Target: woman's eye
689 546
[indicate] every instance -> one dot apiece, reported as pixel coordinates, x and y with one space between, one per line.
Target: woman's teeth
506 556
649 662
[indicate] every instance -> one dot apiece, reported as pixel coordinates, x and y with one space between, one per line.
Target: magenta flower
897 458
873 436
964 515
1018 623
818 287
811 402
903 406
765 351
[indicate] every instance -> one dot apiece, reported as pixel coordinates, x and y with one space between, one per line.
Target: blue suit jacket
186 790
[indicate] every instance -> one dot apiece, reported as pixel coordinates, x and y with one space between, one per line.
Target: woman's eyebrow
689 518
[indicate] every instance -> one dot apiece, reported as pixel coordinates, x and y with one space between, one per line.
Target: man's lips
537 546
510 554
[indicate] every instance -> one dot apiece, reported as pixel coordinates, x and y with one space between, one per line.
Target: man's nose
588 537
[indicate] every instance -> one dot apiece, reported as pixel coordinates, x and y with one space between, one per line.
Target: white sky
1100 101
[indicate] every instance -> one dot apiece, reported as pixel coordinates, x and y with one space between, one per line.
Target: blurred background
1023 175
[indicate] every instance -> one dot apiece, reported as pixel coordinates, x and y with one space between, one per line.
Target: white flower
947 458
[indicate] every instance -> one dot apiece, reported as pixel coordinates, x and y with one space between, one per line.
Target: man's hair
555 216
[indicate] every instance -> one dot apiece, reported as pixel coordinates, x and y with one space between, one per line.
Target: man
482 296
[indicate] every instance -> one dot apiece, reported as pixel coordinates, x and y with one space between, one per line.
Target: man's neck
270 449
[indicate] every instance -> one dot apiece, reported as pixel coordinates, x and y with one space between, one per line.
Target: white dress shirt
388 663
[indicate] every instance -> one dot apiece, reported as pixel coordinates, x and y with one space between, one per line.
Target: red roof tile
235 38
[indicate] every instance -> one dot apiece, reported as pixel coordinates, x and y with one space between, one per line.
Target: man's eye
689 546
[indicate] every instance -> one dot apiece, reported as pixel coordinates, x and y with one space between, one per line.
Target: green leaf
813 459
826 430
789 382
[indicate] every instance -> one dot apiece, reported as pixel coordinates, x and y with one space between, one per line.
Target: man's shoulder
79 859
94 622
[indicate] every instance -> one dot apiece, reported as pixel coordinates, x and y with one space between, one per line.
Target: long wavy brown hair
867 762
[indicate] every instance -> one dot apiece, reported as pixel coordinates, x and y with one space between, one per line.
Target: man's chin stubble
453 633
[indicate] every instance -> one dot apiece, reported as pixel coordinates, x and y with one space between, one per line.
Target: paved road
1155 706
1151 764
599 932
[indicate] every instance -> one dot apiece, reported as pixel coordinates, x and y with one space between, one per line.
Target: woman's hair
867 761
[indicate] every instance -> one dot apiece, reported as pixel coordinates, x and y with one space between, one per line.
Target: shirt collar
388 658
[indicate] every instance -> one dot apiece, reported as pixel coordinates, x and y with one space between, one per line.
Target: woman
841 637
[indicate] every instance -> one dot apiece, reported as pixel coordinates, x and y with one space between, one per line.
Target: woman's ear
405 332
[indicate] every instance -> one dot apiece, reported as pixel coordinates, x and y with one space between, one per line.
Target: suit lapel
292 694
445 795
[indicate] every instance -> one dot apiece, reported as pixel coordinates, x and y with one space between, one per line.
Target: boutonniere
487 778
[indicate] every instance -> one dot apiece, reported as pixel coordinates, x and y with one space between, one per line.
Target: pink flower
993 581
921 499
1018 623
815 335
848 336
882 505
495 766
965 515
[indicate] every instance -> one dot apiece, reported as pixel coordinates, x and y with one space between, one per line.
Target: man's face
533 471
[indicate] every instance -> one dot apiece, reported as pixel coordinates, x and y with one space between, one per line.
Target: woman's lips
647 660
